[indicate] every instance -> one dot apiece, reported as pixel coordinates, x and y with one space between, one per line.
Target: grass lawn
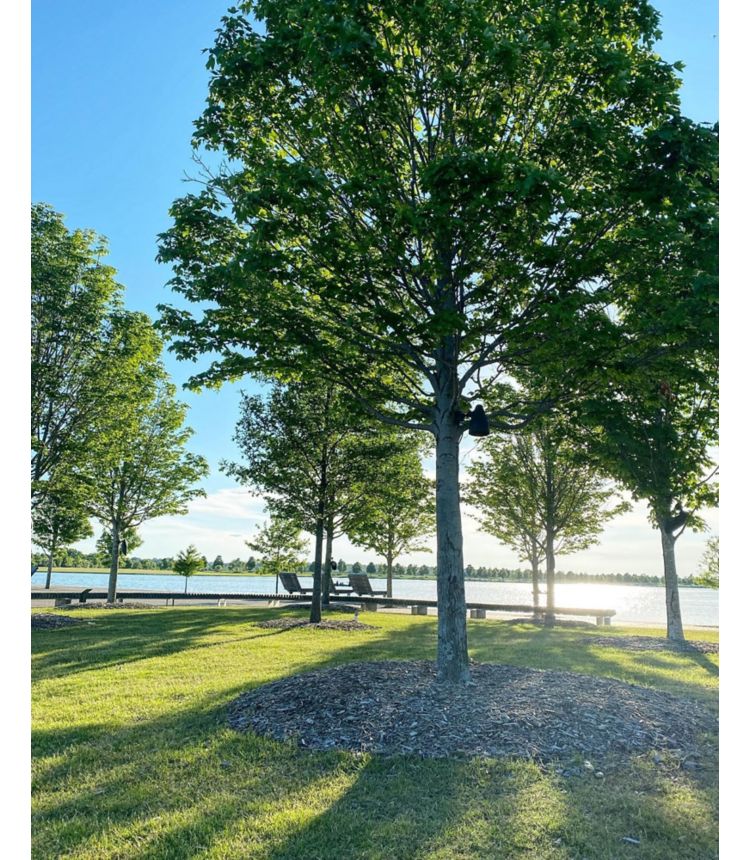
132 759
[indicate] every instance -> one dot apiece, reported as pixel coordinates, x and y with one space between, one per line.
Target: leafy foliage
708 575
280 546
73 295
188 562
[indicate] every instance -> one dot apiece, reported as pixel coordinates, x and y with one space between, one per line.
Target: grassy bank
132 758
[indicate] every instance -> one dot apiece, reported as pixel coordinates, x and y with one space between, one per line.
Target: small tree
371 569
708 575
280 546
139 468
188 563
60 519
399 510
217 563
535 492
250 566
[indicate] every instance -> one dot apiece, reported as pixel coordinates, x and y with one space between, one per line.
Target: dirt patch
397 707
652 643
287 623
46 621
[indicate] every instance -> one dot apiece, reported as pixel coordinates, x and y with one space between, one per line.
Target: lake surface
633 603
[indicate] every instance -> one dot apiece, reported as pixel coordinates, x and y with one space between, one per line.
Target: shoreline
90 571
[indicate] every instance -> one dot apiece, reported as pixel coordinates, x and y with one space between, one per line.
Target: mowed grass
132 757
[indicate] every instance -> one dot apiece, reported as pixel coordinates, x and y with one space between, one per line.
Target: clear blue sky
115 90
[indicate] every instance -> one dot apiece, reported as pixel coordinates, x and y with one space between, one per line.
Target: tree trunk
327 577
186 580
389 575
452 651
535 582
49 569
549 617
674 616
112 587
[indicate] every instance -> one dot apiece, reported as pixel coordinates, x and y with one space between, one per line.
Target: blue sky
115 90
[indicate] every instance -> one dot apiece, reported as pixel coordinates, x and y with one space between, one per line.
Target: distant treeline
76 558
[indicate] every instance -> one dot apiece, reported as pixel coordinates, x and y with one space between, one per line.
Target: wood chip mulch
398 708
46 621
288 623
653 643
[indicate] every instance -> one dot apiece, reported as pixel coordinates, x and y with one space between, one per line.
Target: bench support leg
419 610
477 613
607 621
370 607
599 620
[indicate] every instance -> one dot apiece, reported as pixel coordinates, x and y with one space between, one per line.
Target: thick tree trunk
49 569
112 587
452 652
674 616
549 616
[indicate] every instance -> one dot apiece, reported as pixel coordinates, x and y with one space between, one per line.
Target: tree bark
327 578
535 582
112 587
452 651
389 575
49 570
674 616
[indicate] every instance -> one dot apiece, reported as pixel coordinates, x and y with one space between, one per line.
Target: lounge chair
360 583
291 584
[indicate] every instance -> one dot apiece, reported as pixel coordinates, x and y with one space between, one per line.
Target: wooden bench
360 583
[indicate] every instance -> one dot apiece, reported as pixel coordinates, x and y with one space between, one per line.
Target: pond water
633 603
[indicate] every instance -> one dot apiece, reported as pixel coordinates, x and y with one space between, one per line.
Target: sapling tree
537 493
417 199
187 563
280 546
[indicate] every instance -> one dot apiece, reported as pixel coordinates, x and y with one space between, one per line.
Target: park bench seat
360 583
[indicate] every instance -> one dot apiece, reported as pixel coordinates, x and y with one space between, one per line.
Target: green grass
132 758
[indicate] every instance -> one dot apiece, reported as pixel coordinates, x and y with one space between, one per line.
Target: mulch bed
45 621
398 708
652 643
288 623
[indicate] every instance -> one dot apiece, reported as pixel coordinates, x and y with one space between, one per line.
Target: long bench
602 616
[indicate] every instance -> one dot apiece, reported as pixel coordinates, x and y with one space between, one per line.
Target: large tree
398 510
416 197
535 492
139 469
73 294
